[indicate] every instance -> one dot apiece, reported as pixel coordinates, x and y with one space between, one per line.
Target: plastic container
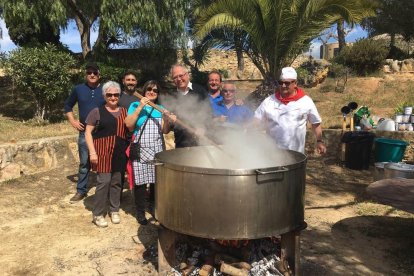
379 170
408 110
398 118
398 170
389 150
406 118
358 147
387 124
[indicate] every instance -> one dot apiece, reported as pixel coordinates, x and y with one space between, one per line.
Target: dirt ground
41 233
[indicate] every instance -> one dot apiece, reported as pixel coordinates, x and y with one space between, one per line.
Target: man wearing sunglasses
287 112
88 96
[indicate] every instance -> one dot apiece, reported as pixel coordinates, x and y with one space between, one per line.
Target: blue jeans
84 165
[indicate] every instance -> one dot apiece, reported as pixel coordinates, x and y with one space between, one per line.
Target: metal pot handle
279 170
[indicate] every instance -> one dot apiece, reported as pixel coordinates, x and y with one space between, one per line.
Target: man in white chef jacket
286 112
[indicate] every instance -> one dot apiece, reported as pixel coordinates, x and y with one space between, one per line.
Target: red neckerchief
299 94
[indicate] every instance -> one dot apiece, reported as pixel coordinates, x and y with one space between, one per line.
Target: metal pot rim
212 171
161 159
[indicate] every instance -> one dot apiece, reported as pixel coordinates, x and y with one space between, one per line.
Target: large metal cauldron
212 192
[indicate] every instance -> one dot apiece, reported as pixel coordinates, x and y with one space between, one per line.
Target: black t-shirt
126 100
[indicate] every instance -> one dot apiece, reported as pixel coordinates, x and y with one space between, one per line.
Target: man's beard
130 89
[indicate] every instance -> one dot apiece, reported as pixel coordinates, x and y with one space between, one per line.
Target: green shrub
337 70
44 73
304 76
365 57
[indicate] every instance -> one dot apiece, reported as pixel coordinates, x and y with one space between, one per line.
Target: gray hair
110 84
185 68
229 82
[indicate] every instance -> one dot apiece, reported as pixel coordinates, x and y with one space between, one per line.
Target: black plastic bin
358 148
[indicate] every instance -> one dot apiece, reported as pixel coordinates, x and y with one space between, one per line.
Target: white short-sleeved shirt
286 123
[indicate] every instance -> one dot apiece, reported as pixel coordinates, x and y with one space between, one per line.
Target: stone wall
399 66
29 157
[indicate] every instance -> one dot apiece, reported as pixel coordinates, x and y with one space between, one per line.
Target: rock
389 61
11 171
407 65
395 67
387 69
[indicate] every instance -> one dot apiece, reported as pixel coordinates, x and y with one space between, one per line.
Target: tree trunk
341 34
240 59
101 41
84 25
40 111
85 35
392 40
238 45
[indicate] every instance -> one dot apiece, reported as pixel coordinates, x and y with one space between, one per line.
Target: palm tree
278 30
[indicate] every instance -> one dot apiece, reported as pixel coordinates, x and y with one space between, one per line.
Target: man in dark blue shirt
88 96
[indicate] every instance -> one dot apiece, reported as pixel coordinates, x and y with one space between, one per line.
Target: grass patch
22 130
16 118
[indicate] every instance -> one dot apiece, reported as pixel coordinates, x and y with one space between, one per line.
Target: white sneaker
100 221
115 218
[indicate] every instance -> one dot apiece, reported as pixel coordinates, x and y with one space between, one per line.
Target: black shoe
77 197
142 221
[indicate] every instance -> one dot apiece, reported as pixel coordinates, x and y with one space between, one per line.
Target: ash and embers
204 257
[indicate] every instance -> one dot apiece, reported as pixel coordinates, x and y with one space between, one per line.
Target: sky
71 38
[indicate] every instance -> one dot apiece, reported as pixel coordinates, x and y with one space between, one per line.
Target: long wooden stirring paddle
178 121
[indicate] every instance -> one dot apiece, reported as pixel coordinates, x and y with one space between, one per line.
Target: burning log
183 266
233 271
206 270
242 265
188 270
221 257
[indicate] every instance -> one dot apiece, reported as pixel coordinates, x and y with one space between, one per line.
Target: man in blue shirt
227 110
214 86
88 96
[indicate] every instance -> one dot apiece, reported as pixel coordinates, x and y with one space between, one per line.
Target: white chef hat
288 73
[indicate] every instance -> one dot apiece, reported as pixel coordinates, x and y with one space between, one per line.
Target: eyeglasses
228 90
153 89
180 76
109 95
92 73
286 83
